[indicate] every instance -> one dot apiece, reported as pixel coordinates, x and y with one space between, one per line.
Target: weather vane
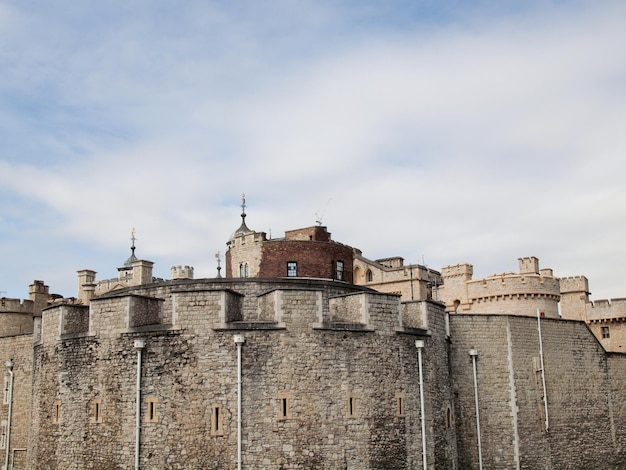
218 257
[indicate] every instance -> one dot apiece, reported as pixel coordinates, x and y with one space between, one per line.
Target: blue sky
443 132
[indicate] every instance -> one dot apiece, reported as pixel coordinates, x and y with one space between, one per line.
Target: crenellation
182 272
329 372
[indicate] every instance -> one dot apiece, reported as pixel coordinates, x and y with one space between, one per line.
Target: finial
132 238
243 204
218 257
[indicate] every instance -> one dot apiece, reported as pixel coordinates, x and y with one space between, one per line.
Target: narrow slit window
3 434
151 410
284 404
351 406
5 395
56 412
96 411
400 403
217 417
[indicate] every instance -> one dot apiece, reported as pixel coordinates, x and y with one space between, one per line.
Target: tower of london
305 354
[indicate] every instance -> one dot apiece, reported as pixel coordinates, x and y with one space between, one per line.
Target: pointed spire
243 228
132 257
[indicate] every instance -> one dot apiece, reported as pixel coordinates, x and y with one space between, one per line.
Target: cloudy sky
439 131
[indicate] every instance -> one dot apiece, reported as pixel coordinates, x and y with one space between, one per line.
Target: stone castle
304 354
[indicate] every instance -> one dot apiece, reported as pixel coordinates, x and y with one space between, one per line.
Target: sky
439 131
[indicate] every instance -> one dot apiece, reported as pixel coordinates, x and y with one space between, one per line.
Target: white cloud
478 141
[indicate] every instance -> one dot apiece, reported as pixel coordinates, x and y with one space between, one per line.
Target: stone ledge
85 334
150 328
342 326
249 325
414 331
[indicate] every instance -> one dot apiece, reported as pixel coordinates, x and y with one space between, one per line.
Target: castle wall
514 294
411 282
512 416
315 394
19 349
16 317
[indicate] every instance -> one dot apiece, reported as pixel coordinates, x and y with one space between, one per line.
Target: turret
574 297
86 285
39 293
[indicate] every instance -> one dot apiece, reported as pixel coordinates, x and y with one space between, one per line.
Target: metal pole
419 344
9 365
239 340
543 372
139 345
474 354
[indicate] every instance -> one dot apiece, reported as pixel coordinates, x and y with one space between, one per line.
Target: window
284 405
370 275
5 396
243 270
400 399
96 411
339 270
3 434
351 408
56 412
292 269
605 332
151 410
217 425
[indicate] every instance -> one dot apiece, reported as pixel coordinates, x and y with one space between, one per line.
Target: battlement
461 269
605 309
529 265
38 287
574 284
394 262
16 306
182 272
513 284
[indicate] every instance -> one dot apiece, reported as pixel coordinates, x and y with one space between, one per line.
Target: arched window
369 275
357 275
246 273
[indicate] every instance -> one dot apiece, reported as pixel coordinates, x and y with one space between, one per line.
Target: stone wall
581 421
16 316
19 349
314 395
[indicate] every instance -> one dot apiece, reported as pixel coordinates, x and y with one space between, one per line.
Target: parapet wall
574 284
16 316
507 293
605 309
16 306
513 284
